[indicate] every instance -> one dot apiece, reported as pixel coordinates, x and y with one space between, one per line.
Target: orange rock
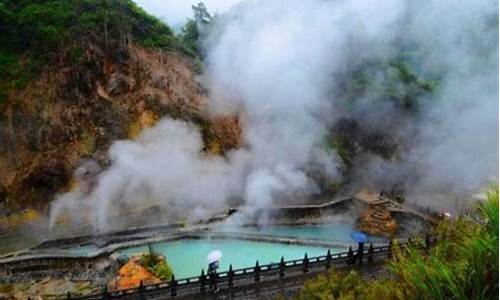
131 275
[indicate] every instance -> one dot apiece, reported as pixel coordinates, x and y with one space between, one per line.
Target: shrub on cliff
45 26
157 264
36 32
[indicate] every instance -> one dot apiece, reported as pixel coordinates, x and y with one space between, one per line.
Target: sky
175 12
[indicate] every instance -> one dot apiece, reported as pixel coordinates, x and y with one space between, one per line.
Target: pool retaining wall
235 282
50 258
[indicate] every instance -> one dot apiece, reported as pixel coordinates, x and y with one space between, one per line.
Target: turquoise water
339 232
81 250
188 257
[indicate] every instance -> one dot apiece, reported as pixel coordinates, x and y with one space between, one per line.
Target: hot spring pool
337 232
188 257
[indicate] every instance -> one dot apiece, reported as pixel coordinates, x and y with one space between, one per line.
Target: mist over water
276 64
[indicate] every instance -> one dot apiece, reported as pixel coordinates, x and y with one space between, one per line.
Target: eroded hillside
82 102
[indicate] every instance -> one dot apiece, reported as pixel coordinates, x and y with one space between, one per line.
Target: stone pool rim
193 235
107 243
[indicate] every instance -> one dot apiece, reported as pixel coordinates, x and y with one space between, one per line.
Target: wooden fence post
203 281
350 256
389 254
68 295
257 271
282 267
173 286
370 253
360 253
141 290
427 241
212 277
230 275
328 259
105 294
305 264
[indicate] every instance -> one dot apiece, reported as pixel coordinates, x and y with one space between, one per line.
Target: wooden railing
255 274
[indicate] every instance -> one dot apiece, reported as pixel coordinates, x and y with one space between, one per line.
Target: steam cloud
275 62
454 145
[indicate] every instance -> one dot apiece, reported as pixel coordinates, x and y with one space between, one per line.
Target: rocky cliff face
78 106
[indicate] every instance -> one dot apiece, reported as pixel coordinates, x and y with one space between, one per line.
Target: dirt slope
74 111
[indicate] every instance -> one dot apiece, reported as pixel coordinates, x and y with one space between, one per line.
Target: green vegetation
397 89
347 286
43 27
395 80
16 71
157 264
414 86
342 148
462 265
190 33
38 32
162 270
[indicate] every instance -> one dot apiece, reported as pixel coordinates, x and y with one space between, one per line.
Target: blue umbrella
359 237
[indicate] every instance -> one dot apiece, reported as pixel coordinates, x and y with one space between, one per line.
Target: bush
162 271
463 265
342 285
395 80
157 264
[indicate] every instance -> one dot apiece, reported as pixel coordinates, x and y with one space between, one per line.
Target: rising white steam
454 145
275 62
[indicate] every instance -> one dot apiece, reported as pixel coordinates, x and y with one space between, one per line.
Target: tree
192 30
201 14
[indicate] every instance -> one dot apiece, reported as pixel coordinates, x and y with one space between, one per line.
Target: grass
462 265
346 286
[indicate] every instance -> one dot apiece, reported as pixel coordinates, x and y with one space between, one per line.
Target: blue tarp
359 237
